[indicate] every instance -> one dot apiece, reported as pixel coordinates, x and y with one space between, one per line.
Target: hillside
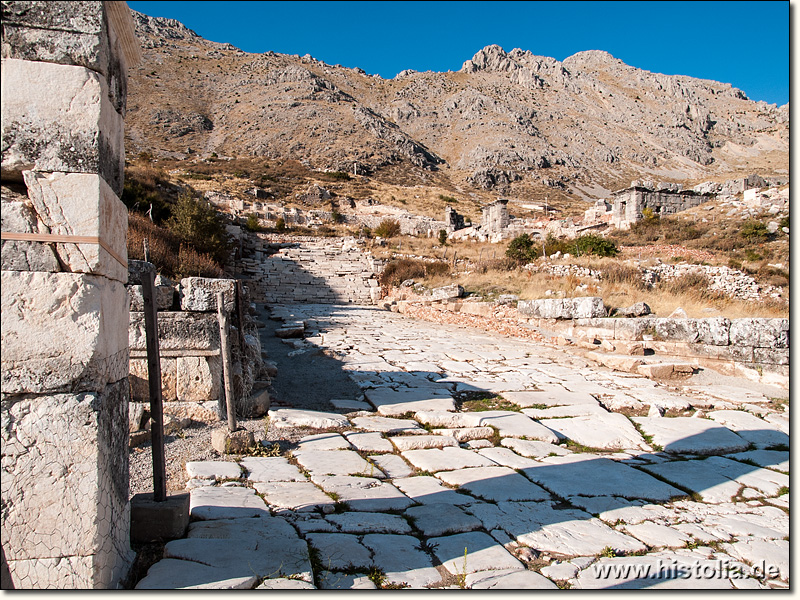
507 123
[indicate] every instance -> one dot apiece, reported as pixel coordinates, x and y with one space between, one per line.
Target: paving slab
771 459
472 551
690 435
392 465
445 459
508 579
341 581
450 420
560 571
611 509
337 551
225 503
322 441
513 424
364 494
390 402
387 425
533 449
609 431
289 418
657 536
336 462
440 519
401 559
421 442
652 572
539 525
549 394
306 522
494 484
174 574
270 468
770 557
213 469
477 444
758 432
301 496
429 490
367 522
369 441
716 479
580 474
282 583
570 410
466 434
781 421
277 547
343 404
507 457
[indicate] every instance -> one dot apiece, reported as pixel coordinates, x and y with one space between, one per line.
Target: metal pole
225 353
154 381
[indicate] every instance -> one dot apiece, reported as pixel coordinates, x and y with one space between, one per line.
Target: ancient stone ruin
628 205
64 304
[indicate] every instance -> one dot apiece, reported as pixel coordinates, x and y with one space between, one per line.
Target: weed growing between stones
782 490
461 575
647 438
483 401
778 448
608 552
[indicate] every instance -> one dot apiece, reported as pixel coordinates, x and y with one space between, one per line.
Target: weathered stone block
632 329
199 294
18 216
140 383
164 297
51 32
153 521
82 204
588 308
769 356
177 331
62 332
449 291
677 330
715 331
198 378
760 333
58 119
65 488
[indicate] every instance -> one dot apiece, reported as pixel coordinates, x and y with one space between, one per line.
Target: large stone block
760 333
632 329
58 119
140 382
199 294
67 33
62 332
82 204
588 308
65 488
164 297
177 331
198 378
714 331
18 216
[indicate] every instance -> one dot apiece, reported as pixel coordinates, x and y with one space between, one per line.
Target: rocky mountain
509 122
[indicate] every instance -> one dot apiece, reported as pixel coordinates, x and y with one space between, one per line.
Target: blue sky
745 44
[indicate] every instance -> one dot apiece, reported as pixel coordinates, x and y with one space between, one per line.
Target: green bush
442 237
197 223
253 223
784 222
448 199
595 244
338 175
388 228
753 230
523 249
280 224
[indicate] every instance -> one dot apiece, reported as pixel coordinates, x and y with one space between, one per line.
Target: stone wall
628 204
280 270
65 313
189 348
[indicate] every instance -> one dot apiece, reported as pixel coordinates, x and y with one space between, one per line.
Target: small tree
443 237
595 244
198 224
388 228
253 223
522 249
280 224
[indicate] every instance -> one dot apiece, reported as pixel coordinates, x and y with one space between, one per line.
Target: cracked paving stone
388 425
472 551
365 522
213 469
369 441
322 441
445 459
690 435
225 503
532 449
363 494
392 465
336 462
429 490
401 559
301 496
494 484
270 469
440 519
508 579
340 581
340 551
607 431
422 442
173 574
391 402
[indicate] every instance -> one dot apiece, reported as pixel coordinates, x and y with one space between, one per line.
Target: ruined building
628 205
65 479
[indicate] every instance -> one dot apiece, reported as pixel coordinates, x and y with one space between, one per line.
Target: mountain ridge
507 122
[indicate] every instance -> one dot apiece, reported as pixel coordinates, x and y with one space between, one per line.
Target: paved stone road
576 476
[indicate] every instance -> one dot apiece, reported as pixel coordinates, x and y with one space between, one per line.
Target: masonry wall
628 204
65 313
308 270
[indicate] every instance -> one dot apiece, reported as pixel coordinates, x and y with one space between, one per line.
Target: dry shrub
689 284
621 274
388 228
398 271
194 264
